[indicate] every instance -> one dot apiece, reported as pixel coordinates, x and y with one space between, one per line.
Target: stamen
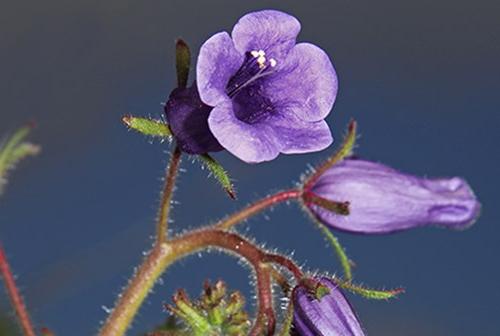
254 67
261 60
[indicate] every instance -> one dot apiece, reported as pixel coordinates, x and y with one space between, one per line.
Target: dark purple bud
383 200
323 311
187 117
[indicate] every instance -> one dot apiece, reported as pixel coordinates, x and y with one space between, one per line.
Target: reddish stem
166 253
15 297
284 261
265 314
257 207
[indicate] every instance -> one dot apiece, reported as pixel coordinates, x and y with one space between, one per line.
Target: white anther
255 53
261 60
272 62
261 52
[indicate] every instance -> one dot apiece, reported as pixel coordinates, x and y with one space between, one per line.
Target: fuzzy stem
283 261
166 253
257 207
15 297
168 190
265 314
339 250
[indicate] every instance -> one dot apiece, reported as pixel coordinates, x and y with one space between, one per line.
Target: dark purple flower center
245 87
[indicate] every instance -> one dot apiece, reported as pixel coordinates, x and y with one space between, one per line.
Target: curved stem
257 207
168 190
15 297
283 261
163 255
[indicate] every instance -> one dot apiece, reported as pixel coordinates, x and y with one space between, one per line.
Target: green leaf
219 173
146 126
20 152
368 293
182 62
14 149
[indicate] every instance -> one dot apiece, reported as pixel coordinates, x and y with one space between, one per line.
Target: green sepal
219 173
340 208
190 314
369 293
345 150
321 291
147 126
14 149
182 62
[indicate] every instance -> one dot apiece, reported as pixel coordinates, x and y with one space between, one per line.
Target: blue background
421 77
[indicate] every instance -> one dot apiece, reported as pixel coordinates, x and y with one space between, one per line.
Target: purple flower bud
187 118
269 94
383 200
324 313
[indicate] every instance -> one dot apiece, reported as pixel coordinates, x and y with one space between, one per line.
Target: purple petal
217 62
187 117
305 84
383 200
297 136
330 315
251 143
269 30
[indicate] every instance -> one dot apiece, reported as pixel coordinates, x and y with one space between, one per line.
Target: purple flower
326 314
187 118
269 95
383 200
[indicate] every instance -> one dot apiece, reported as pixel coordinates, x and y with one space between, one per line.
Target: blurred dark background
421 77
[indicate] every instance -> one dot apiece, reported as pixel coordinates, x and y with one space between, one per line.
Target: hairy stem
15 297
164 254
265 313
257 207
284 261
166 199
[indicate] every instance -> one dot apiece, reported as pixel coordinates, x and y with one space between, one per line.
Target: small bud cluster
214 313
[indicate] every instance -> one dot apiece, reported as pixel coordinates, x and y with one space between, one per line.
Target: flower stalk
166 200
255 208
15 297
